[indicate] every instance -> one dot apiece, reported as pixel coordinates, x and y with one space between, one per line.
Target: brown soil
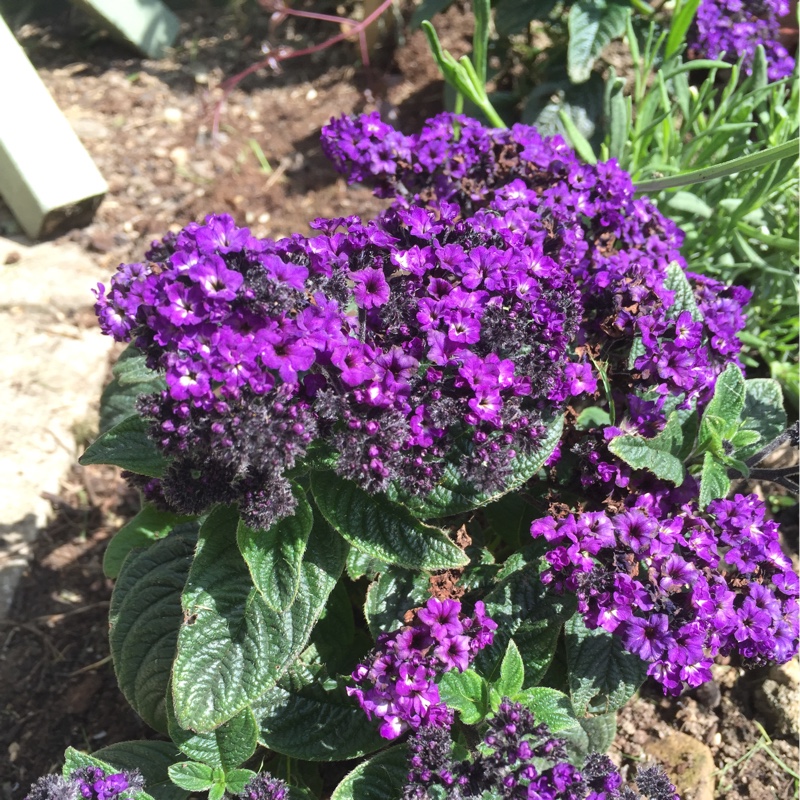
147 125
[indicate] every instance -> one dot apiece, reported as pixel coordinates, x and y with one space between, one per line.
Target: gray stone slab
51 375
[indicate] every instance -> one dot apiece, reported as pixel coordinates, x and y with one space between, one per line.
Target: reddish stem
230 84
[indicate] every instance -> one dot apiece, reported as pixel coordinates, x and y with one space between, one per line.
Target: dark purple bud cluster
391 340
679 589
90 783
396 682
264 787
734 28
518 760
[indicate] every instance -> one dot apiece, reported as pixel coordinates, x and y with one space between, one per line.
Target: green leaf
453 495
192 776
382 777
722 413
466 692
427 10
144 619
514 16
592 25
512 672
381 528
615 108
334 634
580 144
389 598
684 300
714 481
226 747
549 706
237 779
127 445
659 455
233 647
152 759
361 565
217 791
763 413
690 203
274 556
602 675
131 380
309 718
510 518
149 525
601 731
679 25
592 417
523 608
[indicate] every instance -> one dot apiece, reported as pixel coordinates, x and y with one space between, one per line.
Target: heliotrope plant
734 28
345 441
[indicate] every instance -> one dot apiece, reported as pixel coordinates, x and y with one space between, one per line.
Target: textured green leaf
722 413
763 413
714 481
314 720
523 608
127 445
602 675
389 598
149 525
592 25
512 672
192 776
334 634
549 706
225 747
467 693
274 556
380 778
232 648
453 494
152 759
237 779
601 730
360 565
658 454
383 529
131 380
684 300
144 619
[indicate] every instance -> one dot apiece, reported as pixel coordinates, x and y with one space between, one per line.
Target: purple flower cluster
679 589
90 783
736 27
397 685
616 247
390 340
264 787
518 760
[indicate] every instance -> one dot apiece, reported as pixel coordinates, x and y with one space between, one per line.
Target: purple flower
371 289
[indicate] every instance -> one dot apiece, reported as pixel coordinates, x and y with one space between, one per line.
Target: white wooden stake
47 178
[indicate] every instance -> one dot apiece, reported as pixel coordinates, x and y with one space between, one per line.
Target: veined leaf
592 25
381 528
380 778
129 446
232 647
144 619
